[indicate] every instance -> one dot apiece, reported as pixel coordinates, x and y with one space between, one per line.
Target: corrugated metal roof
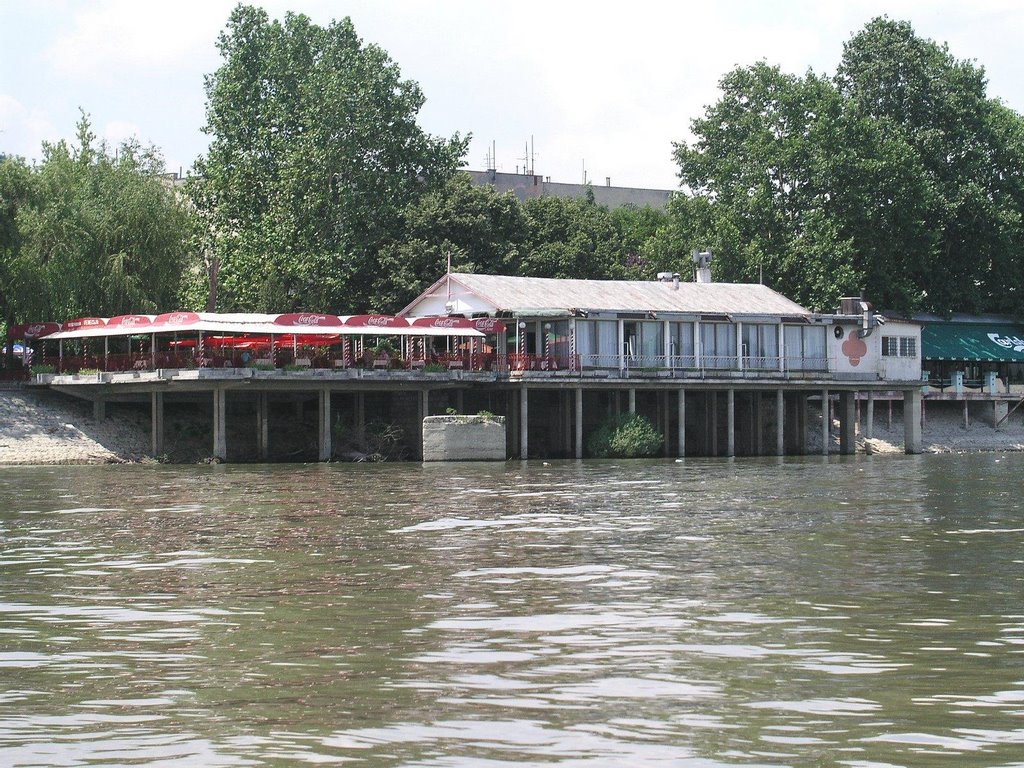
541 293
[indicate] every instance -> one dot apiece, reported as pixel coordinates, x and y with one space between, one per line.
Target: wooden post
681 427
156 406
220 439
524 420
780 416
324 425
579 422
730 421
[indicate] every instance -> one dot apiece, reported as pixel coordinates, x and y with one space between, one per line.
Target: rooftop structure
528 185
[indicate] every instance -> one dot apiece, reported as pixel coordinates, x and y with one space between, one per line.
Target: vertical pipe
869 417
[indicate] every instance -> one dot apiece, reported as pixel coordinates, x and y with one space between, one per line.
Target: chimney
702 261
607 181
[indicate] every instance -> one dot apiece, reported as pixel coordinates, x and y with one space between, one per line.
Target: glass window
681 339
718 345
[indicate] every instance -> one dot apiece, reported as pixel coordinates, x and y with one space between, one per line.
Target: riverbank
42 427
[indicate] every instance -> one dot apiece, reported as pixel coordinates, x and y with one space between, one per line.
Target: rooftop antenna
584 166
491 158
528 158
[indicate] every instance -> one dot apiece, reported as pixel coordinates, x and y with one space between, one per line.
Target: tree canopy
898 177
88 231
315 154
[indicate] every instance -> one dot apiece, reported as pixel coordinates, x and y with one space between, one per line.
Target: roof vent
702 261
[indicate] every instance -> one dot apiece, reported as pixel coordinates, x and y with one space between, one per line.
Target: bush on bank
627 436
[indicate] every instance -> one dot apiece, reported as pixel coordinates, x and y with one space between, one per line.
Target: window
805 347
899 346
596 343
681 338
718 345
760 345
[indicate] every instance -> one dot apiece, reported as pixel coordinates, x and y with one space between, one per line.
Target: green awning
981 342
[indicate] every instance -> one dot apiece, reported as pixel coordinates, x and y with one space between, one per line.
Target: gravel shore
42 427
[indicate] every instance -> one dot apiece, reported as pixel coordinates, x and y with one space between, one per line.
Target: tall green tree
898 178
571 238
969 151
94 232
315 155
481 230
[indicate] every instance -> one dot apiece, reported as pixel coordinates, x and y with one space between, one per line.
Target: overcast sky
602 88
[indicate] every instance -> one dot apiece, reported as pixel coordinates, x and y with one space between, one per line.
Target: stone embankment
41 427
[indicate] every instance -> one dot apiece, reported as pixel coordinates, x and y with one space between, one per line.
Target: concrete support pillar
758 442
579 422
459 401
524 420
565 400
967 415
632 400
847 424
666 421
730 421
681 425
300 408
360 414
99 410
826 422
324 447
803 406
713 410
780 420
220 438
156 420
262 426
869 417
912 420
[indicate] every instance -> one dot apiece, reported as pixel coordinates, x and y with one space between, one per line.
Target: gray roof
541 293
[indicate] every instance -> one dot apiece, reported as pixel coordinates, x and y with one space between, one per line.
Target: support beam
730 420
524 421
262 426
666 422
847 424
99 409
220 438
632 400
780 421
912 420
579 422
713 410
869 417
826 422
156 420
324 447
681 427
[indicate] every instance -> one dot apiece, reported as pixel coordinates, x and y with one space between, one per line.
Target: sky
599 90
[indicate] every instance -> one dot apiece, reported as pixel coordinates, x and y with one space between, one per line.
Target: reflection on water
852 611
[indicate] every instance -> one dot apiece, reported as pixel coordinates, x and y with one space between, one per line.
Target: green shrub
88 371
434 368
628 436
42 368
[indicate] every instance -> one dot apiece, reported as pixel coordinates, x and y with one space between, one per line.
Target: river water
857 611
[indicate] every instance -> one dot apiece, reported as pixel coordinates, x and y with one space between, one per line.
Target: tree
898 177
481 230
969 151
315 155
571 238
94 233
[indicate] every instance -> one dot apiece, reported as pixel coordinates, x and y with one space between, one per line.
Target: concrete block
464 438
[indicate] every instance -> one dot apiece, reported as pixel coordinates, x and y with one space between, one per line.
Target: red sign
307 320
129 321
377 321
177 319
29 331
83 323
489 325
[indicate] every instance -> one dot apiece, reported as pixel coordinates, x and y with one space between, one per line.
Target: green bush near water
627 436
